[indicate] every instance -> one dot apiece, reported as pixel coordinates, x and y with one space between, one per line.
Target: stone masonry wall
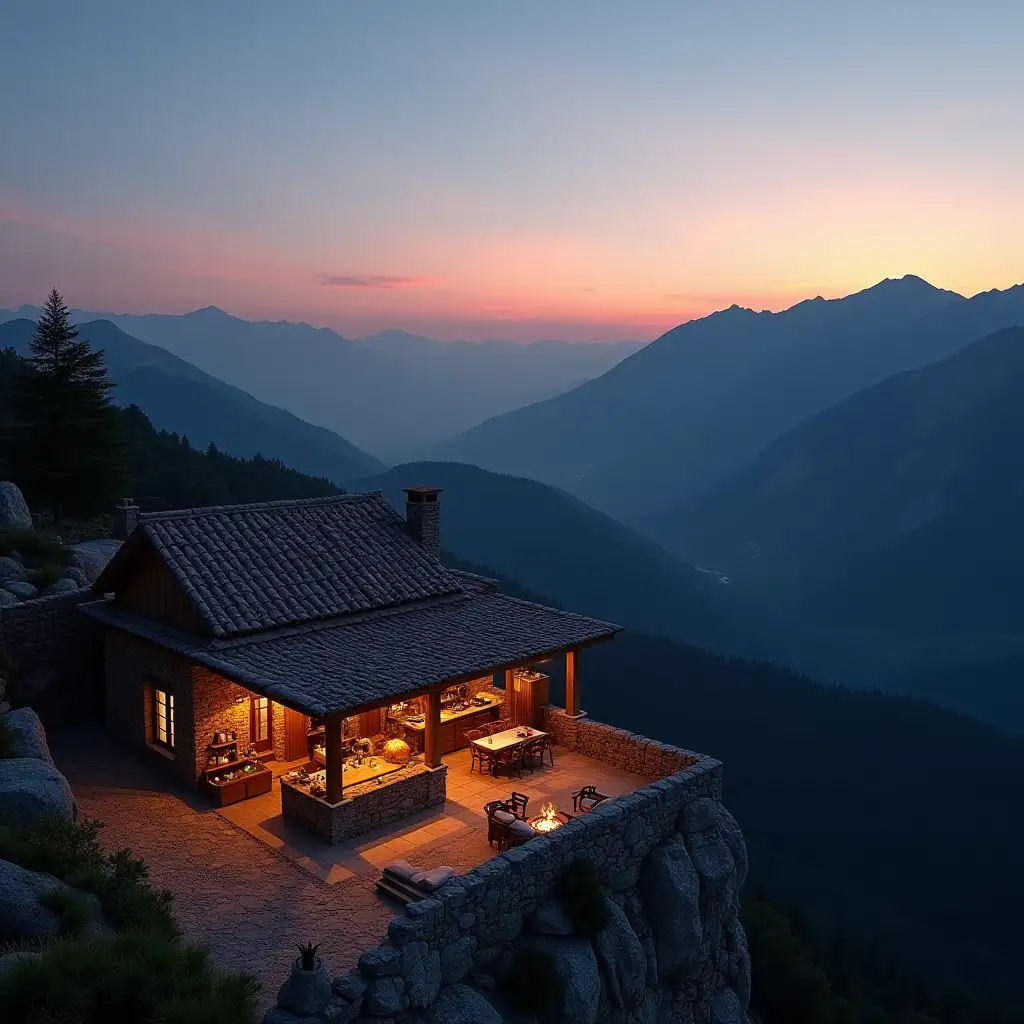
368 805
218 704
625 750
51 645
671 860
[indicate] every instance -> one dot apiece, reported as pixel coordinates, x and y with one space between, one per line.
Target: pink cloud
377 282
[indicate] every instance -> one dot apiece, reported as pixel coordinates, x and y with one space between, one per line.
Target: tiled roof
364 659
262 566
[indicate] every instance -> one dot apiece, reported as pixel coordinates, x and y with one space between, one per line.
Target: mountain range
692 408
179 397
391 394
897 508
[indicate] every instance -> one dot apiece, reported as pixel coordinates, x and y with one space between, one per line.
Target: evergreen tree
65 439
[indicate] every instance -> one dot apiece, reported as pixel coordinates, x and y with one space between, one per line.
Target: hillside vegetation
179 397
164 471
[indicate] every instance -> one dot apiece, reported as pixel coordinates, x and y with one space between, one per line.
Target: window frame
163 701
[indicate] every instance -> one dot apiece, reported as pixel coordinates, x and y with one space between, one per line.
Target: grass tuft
70 907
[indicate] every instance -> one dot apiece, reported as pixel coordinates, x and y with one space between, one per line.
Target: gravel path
250 905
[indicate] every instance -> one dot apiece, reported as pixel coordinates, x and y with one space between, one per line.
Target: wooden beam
334 728
572 682
432 738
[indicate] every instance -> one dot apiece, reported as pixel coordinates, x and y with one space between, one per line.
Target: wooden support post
432 739
333 730
572 682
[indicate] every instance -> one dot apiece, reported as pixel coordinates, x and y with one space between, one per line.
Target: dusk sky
586 171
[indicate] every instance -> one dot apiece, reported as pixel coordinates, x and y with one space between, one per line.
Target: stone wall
671 861
368 805
218 705
51 644
618 747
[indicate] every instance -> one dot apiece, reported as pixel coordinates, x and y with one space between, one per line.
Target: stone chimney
423 517
126 516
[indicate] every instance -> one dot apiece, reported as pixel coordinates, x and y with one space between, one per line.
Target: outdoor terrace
454 834
252 887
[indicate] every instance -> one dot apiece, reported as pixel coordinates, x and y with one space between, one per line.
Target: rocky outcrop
21 590
91 557
14 513
28 738
65 585
550 918
669 861
26 905
620 959
577 967
11 570
460 1004
31 790
670 889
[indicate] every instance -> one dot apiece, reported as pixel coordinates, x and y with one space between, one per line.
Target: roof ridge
332 622
258 506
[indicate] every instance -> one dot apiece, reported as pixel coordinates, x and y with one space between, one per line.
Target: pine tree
65 440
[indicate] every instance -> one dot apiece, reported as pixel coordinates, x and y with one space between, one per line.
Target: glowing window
163 718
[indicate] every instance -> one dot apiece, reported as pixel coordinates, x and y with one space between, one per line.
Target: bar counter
365 806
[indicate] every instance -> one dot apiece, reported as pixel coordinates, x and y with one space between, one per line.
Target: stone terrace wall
627 751
50 642
671 860
367 806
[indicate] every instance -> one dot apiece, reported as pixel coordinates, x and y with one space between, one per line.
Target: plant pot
306 992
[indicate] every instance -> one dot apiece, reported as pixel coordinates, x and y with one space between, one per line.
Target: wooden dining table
505 740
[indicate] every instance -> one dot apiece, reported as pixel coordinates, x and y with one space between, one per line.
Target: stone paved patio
252 888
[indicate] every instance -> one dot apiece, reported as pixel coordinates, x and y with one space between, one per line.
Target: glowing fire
548 819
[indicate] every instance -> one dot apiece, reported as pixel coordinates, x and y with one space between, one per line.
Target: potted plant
308 989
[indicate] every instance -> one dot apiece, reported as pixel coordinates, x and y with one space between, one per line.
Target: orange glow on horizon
523 285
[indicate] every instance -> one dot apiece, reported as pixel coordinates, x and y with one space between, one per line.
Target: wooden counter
453 725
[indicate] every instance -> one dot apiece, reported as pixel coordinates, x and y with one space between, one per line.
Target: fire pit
548 820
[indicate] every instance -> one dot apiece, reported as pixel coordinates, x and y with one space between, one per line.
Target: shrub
71 852
128 977
54 846
70 907
582 895
37 547
46 575
532 984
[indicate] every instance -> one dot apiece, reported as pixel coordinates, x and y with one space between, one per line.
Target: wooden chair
499 817
475 755
586 799
510 757
537 748
517 804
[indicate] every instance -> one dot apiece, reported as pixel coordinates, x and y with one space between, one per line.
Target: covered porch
453 833
384 762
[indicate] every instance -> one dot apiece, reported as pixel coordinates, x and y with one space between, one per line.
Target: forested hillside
164 471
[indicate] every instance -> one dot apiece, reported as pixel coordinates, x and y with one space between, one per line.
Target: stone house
296 630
